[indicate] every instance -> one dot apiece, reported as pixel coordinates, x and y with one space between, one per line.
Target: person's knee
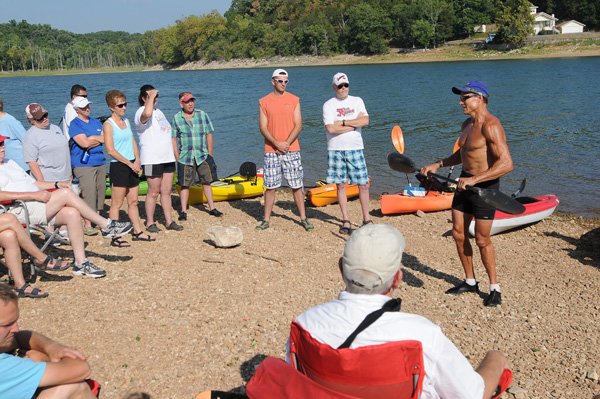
71 213
67 391
496 358
482 241
8 236
154 194
458 235
132 202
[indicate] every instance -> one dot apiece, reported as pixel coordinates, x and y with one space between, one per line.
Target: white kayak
536 208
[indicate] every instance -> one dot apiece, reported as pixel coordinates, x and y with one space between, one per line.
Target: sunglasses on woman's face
45 116
122 105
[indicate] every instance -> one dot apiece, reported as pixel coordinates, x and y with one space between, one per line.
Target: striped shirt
190 136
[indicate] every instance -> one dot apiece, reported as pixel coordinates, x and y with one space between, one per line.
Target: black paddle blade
400 163
520 189
499 200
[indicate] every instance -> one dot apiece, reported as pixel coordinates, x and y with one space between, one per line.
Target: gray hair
7 294
365 282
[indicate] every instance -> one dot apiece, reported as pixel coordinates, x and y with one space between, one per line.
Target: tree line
267 28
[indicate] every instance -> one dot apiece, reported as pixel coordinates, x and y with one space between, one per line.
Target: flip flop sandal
346 230
50 264
366 222
119 243
34 293
141 237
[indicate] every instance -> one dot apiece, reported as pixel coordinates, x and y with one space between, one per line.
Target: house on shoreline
545 24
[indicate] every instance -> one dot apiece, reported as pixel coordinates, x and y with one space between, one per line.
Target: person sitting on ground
370 268
59 207
87 158
124 167
13 237
49 370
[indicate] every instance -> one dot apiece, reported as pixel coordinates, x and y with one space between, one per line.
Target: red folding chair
392 370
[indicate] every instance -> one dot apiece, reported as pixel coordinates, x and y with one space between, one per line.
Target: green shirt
190 136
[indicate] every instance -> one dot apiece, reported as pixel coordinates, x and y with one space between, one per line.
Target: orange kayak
399 203
326 194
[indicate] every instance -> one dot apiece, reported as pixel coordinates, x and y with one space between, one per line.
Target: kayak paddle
398 139
492 197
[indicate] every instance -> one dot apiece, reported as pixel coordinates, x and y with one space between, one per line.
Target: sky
79 16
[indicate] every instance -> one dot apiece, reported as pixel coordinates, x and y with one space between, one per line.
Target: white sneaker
88 269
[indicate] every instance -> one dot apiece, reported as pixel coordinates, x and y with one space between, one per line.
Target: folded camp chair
6 205
392 370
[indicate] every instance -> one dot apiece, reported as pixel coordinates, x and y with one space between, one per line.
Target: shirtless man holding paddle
485 158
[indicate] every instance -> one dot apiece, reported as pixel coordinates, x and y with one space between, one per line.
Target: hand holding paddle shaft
492 197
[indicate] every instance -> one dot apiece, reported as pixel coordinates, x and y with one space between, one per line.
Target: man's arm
297 126
209 143
36 172
87 142
65 371
262 124
490 369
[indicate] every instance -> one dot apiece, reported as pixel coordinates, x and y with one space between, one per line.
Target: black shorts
157 170
121 175
470 202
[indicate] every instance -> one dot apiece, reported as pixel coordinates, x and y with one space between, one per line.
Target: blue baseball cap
474 86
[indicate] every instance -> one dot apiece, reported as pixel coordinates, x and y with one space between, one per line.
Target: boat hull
536 208
234 188
327 194
433 201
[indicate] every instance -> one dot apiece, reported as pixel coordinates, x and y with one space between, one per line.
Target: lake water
549 109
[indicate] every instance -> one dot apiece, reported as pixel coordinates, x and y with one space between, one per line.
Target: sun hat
474 86
80 102
340 78
376 248
35 111
279 72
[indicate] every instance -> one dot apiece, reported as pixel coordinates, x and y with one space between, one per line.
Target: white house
571 26
542 21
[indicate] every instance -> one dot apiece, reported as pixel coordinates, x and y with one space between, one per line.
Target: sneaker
88 269
182 216
263 225
462 288
175 226
493 299
62 238
307 225
153 228
215 212
116 229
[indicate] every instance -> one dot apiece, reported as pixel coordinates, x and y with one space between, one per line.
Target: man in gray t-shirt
45 148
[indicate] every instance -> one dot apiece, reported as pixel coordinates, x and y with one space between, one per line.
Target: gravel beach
178 316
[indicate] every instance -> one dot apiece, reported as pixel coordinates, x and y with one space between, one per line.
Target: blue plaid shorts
278 165
347 166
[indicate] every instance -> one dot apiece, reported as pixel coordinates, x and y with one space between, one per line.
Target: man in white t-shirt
370 268
344 116
70 113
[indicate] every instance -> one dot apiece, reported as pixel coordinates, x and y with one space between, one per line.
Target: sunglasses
281 81
86 108
342 85
45 116
123 105
82 95
465 98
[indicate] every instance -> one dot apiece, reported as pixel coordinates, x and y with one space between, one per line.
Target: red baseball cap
2 138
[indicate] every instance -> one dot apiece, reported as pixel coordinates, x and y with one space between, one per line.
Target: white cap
340 78
80 102
279 72
376 248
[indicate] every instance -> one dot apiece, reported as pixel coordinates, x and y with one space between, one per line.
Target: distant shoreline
448 53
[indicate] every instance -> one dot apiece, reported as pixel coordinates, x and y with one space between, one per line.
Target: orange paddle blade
456 146
398 139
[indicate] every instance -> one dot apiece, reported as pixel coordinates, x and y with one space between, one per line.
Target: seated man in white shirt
49 370
60 207
370 268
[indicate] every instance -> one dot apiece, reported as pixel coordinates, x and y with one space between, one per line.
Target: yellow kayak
227 189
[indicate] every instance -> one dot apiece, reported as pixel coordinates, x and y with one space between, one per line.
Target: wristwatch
343 122
55 184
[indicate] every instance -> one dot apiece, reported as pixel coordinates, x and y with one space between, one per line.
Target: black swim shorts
470 202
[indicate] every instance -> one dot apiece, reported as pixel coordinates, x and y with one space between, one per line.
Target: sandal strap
21 291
